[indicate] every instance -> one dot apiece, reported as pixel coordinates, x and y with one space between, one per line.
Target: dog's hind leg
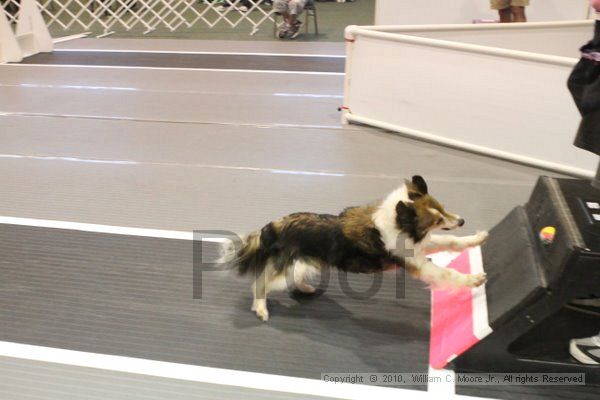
268 280
454 243
301 270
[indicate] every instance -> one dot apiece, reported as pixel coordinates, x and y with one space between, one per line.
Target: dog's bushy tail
249 256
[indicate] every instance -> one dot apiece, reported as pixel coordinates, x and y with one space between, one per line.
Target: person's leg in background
281 8
289 10
518 14
506 14
296 8
504 9
517 9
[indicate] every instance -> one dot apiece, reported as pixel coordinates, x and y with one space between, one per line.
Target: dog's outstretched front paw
479 238
476 280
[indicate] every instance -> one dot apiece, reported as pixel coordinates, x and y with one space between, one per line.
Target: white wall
413 12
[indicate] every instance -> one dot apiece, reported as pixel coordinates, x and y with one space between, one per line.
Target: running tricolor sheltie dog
364 239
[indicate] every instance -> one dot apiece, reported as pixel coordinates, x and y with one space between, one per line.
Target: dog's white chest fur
384 219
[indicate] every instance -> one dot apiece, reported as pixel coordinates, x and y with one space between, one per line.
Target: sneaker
586 350
283 31
295 31
222 5
242 9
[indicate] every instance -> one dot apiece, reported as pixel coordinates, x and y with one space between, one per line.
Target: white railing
148 15
497 99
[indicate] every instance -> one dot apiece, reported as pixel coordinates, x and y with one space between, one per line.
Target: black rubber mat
132 296
209 61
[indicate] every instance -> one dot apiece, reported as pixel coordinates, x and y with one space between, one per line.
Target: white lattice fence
124 15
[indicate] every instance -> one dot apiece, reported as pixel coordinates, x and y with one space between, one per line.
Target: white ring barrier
553 38
498 101
31 36
32 33
9 47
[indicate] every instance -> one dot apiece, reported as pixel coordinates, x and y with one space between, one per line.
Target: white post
32 32
9 47
349 37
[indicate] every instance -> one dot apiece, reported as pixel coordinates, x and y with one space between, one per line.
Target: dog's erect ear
414 195
419 184
417 188
405 213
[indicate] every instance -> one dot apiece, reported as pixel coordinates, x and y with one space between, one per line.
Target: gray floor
195 97
184 150
28 380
